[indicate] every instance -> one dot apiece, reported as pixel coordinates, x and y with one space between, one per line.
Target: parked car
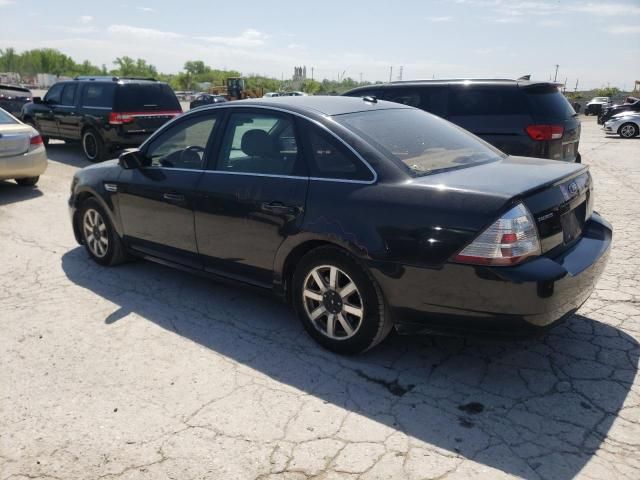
206 99
631 104
103 113
293 94
364 214
13 97
272 94
520 117
596 105
625 124
22 153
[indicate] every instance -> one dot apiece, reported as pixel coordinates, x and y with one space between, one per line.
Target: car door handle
279 208
174 198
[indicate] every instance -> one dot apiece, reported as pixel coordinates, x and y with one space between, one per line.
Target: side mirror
131 159
37 100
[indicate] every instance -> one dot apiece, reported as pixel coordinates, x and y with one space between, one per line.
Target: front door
253 198
156 201
45 113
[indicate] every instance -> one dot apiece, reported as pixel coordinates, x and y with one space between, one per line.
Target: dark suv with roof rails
520 117
104 114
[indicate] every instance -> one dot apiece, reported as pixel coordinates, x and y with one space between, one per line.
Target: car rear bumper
30 164
463 298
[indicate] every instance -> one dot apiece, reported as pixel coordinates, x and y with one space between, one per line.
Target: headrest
257 143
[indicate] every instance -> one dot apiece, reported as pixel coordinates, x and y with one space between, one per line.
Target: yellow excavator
234 88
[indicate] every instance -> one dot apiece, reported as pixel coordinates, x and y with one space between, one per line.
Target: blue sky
597 42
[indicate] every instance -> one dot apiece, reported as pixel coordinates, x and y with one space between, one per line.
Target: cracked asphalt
144 372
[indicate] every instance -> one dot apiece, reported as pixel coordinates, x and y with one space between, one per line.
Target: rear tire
27 182
93 146
99 237
347 314
628 130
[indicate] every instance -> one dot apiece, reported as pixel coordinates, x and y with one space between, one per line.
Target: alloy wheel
90 146
627 131
333 302
95 232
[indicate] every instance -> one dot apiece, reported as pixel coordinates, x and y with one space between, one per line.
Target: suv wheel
98 235
93 146
339 302
628 130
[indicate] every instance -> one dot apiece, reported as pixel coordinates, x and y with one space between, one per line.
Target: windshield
5 118
422 142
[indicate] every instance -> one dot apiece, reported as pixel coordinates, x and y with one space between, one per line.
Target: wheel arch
108 207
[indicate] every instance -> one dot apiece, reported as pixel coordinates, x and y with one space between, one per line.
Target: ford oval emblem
573 188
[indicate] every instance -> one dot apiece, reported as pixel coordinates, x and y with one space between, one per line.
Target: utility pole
390 73
400 73
555 78
311 73
576 89
360 77
564 86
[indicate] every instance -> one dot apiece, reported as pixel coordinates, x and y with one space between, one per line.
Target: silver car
22 153
626 124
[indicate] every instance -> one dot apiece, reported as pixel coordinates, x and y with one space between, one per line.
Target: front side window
54 94
183 145
331 159
262 143
69 94
423 143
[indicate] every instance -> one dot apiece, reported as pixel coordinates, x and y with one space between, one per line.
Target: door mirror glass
132 158
37 100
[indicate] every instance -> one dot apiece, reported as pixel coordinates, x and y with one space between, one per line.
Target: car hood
504 178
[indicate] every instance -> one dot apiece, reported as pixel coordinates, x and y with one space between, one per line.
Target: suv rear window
546 102
473 100
423 143
145 97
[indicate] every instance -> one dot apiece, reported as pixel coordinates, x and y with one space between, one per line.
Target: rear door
549 107
144 107
253 197
156 201
496 113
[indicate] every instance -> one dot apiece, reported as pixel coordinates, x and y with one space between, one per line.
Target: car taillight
509 240
545 132
116 118
35 142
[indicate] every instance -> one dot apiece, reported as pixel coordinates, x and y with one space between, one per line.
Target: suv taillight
120 118
509 240
545 132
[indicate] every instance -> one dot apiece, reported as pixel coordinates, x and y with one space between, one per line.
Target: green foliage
607 92
128 67
44 60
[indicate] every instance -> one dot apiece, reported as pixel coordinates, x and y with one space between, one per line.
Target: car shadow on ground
67 153
536 408
11 192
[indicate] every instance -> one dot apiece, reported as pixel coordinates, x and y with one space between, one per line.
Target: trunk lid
14 140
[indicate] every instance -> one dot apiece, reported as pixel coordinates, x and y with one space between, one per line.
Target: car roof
458 81
319 104
18 88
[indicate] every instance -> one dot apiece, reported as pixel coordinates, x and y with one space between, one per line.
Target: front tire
98 235
338 302
628 130
27 182
93 146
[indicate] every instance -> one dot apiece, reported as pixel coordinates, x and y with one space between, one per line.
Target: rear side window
145 97
98 95
470 100
331 159
432 99
546 102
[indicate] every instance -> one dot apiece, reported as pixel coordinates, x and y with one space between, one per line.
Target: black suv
103 113
520 117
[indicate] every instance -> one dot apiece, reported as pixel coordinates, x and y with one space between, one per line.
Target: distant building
10 77
299 76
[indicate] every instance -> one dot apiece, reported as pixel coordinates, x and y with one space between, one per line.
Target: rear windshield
546 101
14 92
145 97
5 118
422 142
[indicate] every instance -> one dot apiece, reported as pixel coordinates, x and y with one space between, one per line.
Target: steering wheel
192 155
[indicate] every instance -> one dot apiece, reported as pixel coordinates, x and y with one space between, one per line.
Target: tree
196 67
607 92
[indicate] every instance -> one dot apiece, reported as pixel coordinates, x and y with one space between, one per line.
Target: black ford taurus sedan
364 214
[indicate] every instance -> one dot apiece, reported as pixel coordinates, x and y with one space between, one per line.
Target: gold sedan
22 153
